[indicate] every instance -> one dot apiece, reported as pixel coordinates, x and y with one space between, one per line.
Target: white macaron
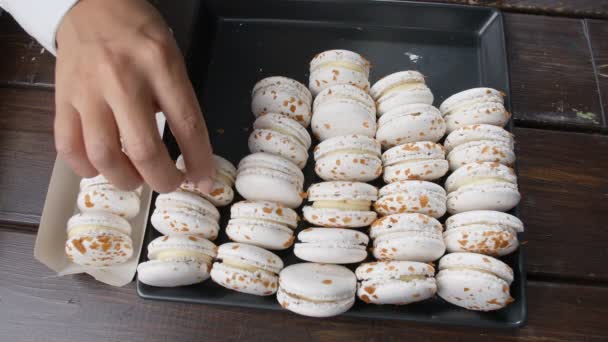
349 157
479 143
342 110
177 261
317 290
482 231
341 204
395 282
284 96
482 186
338 67
474 106
266 177
409 123
246 268
98 194
423 160
411 196
400 88
407 237
221 193
474 281
98 239
280 135
331 245
261 223
183 213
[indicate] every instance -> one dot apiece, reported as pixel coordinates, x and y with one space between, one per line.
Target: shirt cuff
39 18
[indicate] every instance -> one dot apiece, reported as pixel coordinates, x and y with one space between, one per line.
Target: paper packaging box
60 205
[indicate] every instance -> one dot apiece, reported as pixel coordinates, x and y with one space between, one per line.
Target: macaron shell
265 140
491 113
188 243
259 233
474 95
328 254
99 248
165 273
283 96
319 282
410 123
430 169
409 246
384 270
485 217
266 185
327 76
337 218
477 261
349 167
265 210
412 198
251 255
182 221
388 82
342 190
342 117
482 171
495 196
109 199
479 132
99 219
220 195
481 151
473 290
397 292
486 239
419 94
314 309
256 283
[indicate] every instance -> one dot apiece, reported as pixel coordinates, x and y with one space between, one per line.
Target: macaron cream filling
400 87
238 264
351 205
488 180
484 104
88 228
341 64
175 253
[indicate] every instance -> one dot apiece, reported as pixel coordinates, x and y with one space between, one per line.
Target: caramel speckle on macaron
365 298
327 281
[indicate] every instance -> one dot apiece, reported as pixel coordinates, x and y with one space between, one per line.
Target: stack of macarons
480 189
188 221
271 181
100 235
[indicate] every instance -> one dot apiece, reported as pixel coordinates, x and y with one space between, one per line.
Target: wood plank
37 306
578 8
598 37
27 154
562 177
23 61
552 78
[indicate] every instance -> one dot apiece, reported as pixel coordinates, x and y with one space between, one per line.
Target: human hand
117 65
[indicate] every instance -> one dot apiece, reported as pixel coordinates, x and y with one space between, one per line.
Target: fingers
69 141
174 94
134 112
102 144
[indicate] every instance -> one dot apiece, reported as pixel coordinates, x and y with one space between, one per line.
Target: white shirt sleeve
40 18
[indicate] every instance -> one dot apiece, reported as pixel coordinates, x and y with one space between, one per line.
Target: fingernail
205 185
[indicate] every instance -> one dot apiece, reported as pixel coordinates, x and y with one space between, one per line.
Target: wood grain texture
27 152
23 61
37 306
578 8
562 177
552 78
598 38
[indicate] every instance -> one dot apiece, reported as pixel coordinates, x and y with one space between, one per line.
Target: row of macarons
469 280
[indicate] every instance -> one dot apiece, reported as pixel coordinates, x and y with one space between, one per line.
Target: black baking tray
236 43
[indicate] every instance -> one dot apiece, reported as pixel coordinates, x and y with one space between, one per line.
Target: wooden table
559 77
